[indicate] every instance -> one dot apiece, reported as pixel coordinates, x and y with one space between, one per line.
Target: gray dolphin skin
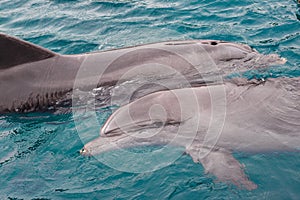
210 121
260 117
33 78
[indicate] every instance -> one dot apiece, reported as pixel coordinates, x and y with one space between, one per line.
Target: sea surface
39 157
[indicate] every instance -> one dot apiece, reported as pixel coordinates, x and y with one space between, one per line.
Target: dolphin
252 116
33 78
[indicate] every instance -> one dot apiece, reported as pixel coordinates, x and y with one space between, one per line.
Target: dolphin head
114 136
222 51
157 118
119 133
136 123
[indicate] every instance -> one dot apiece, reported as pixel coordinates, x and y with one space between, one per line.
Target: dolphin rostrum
254 116
33 78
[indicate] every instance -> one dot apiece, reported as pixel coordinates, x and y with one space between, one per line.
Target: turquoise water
39 157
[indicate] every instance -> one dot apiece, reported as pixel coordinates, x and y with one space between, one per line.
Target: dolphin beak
84 152
282 61
99 145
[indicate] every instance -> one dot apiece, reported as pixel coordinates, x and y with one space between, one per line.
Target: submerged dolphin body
259 117
33 78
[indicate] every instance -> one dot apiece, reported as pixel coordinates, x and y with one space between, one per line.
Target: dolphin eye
213 43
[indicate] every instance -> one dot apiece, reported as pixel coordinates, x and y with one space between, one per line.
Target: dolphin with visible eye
259 117
33 78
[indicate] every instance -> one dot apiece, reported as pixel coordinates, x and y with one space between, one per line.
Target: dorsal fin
14 51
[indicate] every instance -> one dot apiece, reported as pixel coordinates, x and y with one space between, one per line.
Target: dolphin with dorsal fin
259 117
33 78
